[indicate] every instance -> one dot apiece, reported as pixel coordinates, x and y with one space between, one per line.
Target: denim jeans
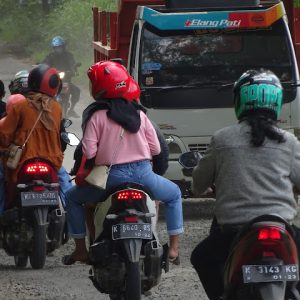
64 181
64 184
140 172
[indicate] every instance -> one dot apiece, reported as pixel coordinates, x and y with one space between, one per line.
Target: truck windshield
207 61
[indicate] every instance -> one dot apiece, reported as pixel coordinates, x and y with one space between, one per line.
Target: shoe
68 260
175 260
73 114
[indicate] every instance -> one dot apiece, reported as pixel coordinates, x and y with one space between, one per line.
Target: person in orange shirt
44 142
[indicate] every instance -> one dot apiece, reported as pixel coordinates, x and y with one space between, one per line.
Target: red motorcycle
33 223
263 263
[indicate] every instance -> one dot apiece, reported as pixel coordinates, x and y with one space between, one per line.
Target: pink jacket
102 137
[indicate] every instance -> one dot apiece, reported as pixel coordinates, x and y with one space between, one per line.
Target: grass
29 32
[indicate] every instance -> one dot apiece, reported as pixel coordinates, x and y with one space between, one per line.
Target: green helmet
257 90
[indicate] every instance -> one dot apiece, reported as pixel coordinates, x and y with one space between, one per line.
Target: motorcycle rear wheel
39 247
21 261
133 281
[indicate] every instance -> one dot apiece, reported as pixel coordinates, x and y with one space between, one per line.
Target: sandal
175 260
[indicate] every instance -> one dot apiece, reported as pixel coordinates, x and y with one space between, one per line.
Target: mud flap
271 290
41 215
133 249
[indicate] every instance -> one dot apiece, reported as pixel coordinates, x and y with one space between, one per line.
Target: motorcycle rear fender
271 290
102 209
133 249
41 215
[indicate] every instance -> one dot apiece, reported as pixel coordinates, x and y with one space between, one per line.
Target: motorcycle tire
133 281
37 256
21 261
65 235
116 297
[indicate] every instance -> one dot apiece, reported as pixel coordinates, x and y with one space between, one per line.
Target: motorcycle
263 263
126 257
64 96
33 223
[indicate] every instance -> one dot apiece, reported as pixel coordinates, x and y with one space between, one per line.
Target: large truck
186 55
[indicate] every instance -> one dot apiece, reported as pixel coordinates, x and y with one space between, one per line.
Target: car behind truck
186 55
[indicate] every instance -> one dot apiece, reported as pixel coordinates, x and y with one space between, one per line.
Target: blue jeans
64 181
140 172
64 184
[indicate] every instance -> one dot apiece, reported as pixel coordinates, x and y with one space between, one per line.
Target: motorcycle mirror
189 160
66 123
70 138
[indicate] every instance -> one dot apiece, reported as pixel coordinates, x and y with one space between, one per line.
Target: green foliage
28 29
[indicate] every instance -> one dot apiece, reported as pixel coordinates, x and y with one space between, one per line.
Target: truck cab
186 56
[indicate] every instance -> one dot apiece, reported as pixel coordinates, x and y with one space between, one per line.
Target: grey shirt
250 181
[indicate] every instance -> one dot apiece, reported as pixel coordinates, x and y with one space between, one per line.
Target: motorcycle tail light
38 188
130 195
37 168
131 219
269 233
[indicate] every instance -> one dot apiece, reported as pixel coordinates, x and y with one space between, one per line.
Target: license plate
47 198
267 273
132 231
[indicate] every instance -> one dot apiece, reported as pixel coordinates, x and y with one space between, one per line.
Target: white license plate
268 273
47 198
132 231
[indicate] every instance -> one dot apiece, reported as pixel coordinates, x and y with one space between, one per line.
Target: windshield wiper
218 84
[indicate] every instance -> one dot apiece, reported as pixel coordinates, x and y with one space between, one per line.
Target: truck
186 56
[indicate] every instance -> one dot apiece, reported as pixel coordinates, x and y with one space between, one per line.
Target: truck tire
39 247
21 261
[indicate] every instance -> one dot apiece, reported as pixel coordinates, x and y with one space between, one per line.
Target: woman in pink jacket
103 121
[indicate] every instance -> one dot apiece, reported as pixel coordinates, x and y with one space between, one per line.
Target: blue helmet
57 41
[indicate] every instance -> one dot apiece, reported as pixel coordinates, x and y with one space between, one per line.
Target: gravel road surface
58 282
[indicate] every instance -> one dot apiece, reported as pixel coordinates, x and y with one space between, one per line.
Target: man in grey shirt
254 166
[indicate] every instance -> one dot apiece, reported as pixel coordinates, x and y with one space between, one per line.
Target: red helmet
44 79
134 91
109 80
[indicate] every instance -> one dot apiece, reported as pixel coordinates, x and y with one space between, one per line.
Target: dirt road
58 282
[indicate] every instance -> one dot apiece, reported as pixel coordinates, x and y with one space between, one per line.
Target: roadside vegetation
27 29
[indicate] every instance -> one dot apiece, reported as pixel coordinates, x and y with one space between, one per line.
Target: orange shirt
42 143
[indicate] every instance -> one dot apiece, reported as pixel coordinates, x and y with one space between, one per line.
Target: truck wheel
39 247
21 261
133 281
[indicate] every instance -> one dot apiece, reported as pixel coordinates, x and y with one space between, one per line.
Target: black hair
2 89
263 124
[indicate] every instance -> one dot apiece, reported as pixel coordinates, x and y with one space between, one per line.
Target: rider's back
253 180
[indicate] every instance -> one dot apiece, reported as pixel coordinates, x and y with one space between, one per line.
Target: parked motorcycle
127 258
263 263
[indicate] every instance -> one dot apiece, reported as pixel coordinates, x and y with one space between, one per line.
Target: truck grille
198 147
